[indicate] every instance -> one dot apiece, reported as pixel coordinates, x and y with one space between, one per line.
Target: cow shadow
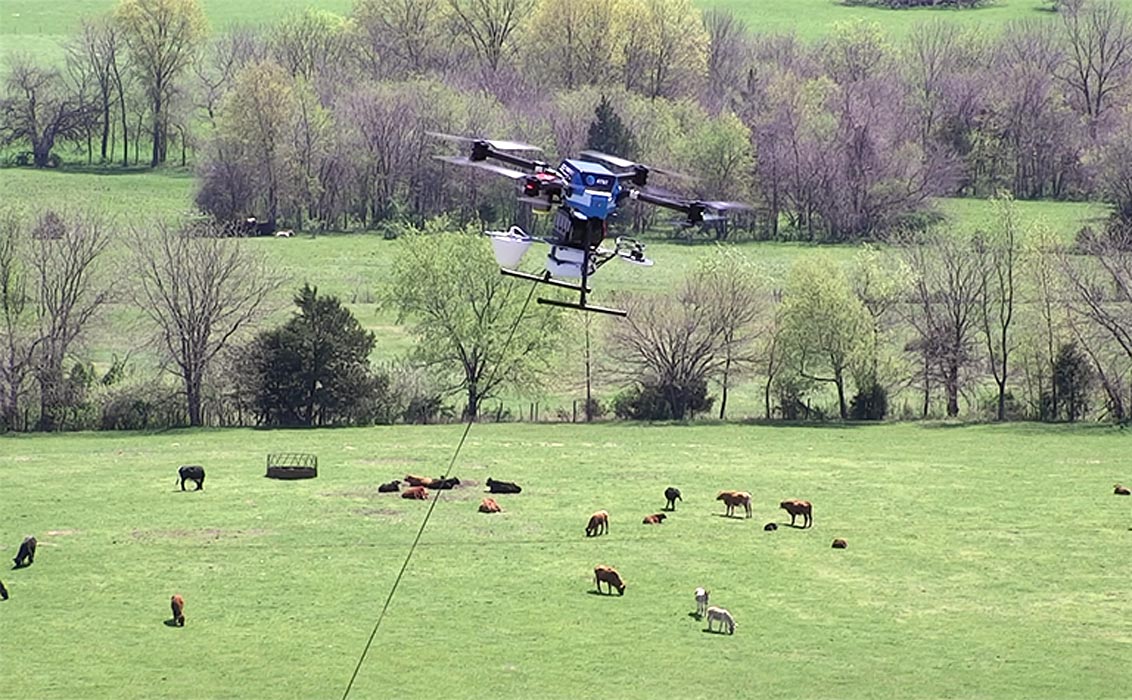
171 623
730 517
603 594
695 616
711 631
20 566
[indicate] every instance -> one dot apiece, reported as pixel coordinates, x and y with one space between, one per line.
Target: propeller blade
497 144
483 165
615 161
718 205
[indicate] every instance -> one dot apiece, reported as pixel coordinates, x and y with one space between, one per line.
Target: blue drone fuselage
590 190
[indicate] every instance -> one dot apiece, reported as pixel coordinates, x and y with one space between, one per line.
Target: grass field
983 561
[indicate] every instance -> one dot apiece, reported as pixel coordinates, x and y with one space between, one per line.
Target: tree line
319 121
1006 323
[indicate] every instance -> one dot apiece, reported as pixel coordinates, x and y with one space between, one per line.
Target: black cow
502 486
192 472
671 494
449 483
391 487
3 591
27 552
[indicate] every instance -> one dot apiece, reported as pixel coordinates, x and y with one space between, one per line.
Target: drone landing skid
584 307
545 278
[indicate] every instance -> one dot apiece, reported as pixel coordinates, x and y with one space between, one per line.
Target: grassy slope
980 564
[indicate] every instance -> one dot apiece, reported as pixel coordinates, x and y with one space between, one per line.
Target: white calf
285 233
701 602
724 617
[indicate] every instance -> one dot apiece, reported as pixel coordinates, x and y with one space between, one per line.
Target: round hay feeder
292 465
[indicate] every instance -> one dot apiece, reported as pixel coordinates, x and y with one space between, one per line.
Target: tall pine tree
608 133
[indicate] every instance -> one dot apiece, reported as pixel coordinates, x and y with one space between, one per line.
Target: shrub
655 401
870 403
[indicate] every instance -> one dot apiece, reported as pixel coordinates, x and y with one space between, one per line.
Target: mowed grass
983 561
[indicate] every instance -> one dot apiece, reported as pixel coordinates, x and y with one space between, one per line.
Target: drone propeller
497 144
483 165
625 164
717 205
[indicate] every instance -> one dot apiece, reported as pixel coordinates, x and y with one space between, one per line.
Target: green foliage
1073 380
608 133
663 401
869 403
314 370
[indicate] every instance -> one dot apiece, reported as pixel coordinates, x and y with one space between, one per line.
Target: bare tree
39 109
489 26
96 51
945 316
71 290
999 251
200 291
1101 293
17 332
1099 58
728 51
404 36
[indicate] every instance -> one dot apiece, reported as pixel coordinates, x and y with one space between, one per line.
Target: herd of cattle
598 524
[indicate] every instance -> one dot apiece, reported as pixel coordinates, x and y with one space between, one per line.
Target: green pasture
983 561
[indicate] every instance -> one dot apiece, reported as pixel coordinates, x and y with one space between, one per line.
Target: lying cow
654 519
26 555
796 507
840 544
391 487
192 472
449 482
599 523
1121 490
418 493
671 495
488 505
178 605
413 480
610 577
502 486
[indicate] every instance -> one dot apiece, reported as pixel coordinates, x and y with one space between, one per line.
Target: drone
584 193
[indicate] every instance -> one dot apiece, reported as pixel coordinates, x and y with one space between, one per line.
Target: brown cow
178 605
418 493
26 555
1121 490
391 487
735 498
796 507
654 519
413 480
599 523
488 505
611 578
840 543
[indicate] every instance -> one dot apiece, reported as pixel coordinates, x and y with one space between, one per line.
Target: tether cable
432 505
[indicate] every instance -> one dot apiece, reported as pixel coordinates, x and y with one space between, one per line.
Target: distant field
983 561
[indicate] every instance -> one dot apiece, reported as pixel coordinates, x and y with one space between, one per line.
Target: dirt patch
62 533
367 492
198 535
377 512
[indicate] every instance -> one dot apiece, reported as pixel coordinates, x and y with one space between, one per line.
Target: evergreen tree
608 133
314 370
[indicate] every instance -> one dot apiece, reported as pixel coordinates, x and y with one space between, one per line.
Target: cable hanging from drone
584 192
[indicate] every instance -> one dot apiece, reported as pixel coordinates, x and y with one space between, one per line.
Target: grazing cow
770 527
418 493
392 487
796 507
1121 490
192 472
840 543
671 495
702 595
599 523
178 605
724 617
502 486
735 498
488 505
654 519
3 591
611 578
450 482
26 553
413 480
